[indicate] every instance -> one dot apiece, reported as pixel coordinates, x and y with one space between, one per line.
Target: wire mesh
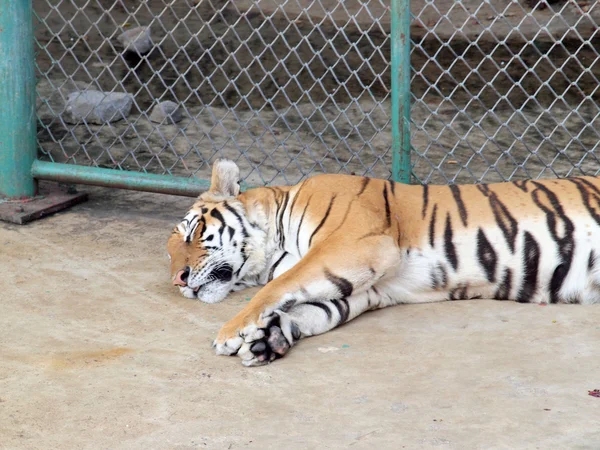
501 89
285 88
504 90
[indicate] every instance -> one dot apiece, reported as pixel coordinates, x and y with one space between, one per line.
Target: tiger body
335 246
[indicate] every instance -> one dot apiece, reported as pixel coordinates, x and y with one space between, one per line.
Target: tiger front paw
257 346
234 333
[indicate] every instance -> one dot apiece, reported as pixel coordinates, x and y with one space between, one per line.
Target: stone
51 98
97 107
166 110
136 40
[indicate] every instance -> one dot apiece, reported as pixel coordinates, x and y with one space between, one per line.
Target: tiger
334 246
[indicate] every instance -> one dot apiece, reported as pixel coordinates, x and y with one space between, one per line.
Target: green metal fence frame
20 170
17 100
400 45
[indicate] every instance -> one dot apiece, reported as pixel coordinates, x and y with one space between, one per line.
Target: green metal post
401 90
17 99
122 179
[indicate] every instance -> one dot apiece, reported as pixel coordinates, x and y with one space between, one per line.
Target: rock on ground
166 110
51 98
97 107
137 40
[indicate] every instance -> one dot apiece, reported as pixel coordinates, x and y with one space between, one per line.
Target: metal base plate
50 199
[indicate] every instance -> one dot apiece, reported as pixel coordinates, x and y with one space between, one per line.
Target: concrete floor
98 351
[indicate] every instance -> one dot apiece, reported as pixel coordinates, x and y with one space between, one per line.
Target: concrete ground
98 351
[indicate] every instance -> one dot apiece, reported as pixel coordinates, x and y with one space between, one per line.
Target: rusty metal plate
50 199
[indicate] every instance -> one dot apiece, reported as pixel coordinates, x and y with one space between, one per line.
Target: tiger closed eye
209 238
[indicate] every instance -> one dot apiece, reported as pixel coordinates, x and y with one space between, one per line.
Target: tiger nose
181 277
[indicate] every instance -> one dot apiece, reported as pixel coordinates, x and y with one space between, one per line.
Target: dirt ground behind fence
291 91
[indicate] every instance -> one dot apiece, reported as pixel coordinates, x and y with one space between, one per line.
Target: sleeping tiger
335 246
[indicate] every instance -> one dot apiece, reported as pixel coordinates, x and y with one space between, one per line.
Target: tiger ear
225 181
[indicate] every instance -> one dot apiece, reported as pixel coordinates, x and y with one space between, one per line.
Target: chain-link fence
504 91
501 89
282 89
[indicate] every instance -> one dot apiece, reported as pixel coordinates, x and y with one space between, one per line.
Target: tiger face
206 251
214 246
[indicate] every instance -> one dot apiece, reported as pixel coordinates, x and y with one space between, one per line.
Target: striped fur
335 246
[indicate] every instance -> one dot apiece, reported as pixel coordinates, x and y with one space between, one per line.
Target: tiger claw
272 346
275 342
229 342
229 347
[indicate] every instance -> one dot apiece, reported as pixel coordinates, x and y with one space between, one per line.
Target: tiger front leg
285 329
321 274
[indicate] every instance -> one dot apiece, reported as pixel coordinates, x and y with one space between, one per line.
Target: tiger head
215 245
